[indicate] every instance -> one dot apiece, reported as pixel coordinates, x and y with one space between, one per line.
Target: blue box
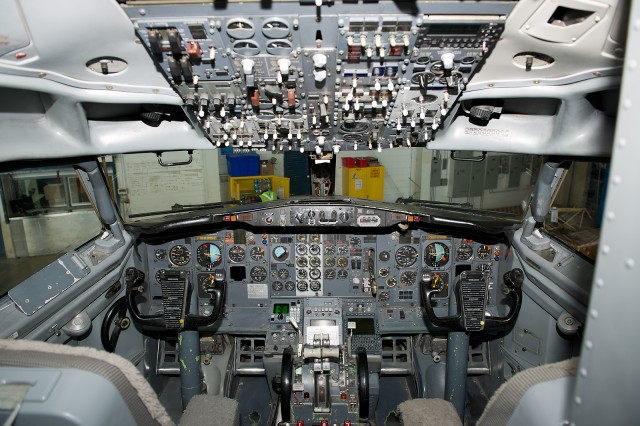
243 164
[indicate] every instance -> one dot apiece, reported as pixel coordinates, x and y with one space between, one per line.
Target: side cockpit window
45 212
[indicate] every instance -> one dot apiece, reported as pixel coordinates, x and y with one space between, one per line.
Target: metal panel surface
609 379
42 287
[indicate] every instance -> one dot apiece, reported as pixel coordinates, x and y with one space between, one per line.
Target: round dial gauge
484 252
257 253
277 286
240 28
301 238
436 254
314 286
441 281
302 286
383 296
283 274
383 272
408 278
290 285
275 28
464 252
329 249
343 250
384 256
161 254
391 282
236 254
355 242
301 249
208 256
315 274
314 238
329 274
314 249
406 256
258 273
301 262
179 255
342 262
280 254
315 262
342 274
205 282
301 273
330 262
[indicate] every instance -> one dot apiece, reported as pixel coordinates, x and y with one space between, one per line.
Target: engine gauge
464 252
301 274
208 256
355 242
315 274
436 254
258 273
160 254
314 238
257 253
330 262
392 282
315 262
342 262
302 286
383 272
301 262
283 274
280 254
236 254
179 255
329 249
301 249
277 286
406 256
301 238
408 278
343 250
484 252
314 286
315 249
342 274
290 285
329 274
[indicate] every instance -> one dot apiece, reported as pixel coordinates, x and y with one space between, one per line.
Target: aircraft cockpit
317 212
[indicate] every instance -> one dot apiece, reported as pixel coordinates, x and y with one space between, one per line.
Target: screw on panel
606 249
600 282
630 263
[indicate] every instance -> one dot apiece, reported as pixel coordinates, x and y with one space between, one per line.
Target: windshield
497 182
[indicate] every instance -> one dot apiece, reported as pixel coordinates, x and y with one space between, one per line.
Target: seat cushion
428 412
211 410
140 398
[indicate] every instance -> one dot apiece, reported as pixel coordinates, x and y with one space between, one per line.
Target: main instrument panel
375 275
319 79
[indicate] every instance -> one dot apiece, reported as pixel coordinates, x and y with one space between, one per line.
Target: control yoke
176 295
471 296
